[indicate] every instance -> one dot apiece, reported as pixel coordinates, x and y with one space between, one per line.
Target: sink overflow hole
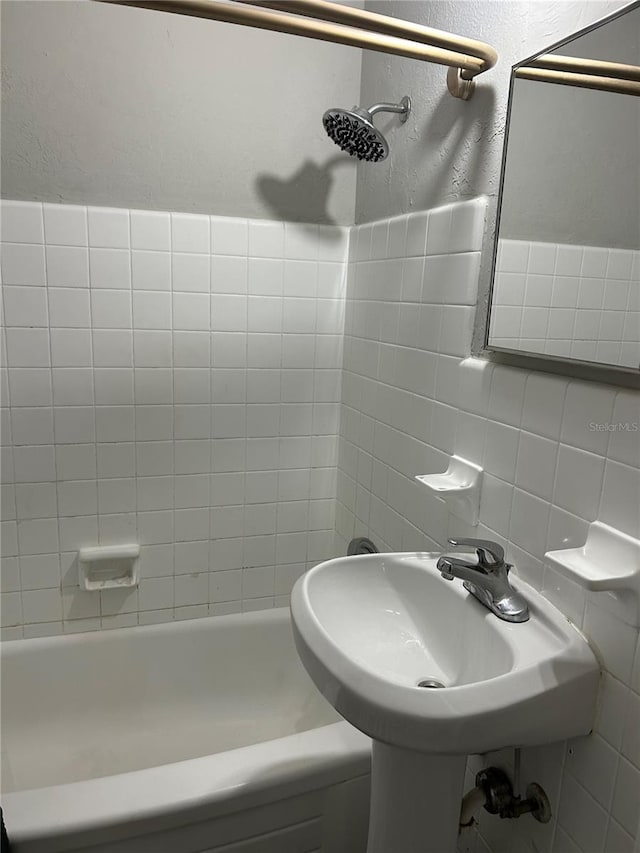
430 682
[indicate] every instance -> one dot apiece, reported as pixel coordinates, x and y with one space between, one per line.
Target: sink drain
430 682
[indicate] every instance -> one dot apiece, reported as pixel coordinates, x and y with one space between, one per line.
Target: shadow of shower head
354 131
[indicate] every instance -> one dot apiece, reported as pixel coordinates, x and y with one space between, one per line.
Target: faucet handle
485 549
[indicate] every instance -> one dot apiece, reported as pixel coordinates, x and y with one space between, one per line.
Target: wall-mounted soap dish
608 562
108 566
458 487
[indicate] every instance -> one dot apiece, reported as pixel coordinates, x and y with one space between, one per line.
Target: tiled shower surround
173 380
566 300
557 453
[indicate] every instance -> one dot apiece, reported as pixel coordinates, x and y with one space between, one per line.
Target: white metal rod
583 81
268 20
595 67
382 24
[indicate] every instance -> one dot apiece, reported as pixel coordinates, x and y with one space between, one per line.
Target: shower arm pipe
389 108
384 25
234 13
583 81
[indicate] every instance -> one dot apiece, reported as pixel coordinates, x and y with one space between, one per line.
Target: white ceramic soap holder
608 562
108 567
458 486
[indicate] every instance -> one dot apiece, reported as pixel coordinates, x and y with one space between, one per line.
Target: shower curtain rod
584 73
342 25
383 25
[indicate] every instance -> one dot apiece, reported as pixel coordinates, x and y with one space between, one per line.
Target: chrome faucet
487 579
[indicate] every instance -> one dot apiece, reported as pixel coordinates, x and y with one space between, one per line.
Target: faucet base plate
511 608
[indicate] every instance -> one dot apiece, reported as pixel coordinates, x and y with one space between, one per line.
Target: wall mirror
566 274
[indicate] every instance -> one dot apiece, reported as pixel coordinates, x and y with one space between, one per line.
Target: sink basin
369 629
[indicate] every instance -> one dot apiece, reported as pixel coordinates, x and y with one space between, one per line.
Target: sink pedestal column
415 800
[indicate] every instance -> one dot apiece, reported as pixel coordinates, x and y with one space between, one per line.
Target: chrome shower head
354 131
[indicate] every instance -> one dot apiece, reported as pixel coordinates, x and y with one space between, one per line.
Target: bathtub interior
94 705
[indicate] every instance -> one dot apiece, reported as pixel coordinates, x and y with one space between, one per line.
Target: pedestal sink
371 629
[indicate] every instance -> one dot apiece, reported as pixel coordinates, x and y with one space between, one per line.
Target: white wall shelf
608 562
458 487
108 567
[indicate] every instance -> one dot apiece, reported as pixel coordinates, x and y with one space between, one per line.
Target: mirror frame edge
589 370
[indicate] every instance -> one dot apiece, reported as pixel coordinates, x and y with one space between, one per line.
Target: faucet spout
444 567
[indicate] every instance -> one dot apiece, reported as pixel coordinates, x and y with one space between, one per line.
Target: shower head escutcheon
354 131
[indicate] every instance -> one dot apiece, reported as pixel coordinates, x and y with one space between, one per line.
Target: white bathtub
190 737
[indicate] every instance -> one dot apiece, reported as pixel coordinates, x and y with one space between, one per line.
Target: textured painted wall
451 149
134 108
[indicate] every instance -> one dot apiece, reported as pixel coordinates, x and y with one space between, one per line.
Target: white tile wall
169 379
177 379
581 302
557 454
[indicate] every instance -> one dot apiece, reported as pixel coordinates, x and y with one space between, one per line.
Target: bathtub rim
75 814
18 645
185 792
